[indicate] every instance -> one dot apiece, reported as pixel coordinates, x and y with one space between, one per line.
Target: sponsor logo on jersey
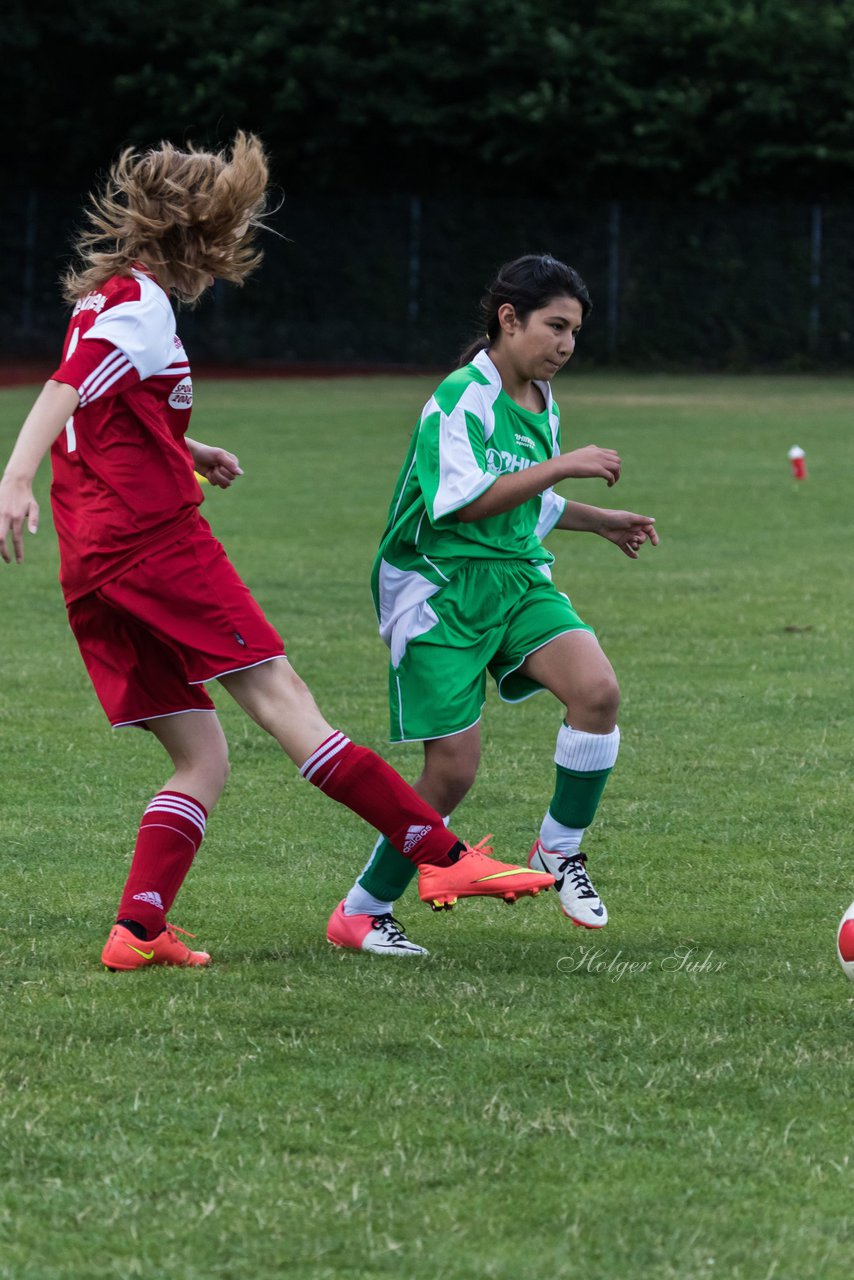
182 394
92 302
524 442
500 462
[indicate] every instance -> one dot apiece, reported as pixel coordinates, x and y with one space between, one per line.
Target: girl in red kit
137 558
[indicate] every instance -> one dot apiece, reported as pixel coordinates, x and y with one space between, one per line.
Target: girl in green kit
462 586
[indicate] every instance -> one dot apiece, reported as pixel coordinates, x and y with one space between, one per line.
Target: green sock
577 795
388 874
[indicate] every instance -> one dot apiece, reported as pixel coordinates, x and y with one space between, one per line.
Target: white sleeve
144 329
552 507
459 438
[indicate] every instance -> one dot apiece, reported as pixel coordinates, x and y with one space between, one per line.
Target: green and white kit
455 599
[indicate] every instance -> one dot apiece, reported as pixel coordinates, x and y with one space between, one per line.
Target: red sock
169 835
360 779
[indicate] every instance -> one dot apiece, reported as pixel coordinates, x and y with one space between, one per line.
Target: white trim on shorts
430 737
162 715
234 670
511 702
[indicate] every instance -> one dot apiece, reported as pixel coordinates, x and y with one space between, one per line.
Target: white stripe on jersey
552 507
393 515
324 753
461 478
110 370
143 329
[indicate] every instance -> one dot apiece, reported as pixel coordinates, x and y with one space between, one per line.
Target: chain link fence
396 281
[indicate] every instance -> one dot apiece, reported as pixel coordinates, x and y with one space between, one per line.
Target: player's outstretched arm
515 488
54 406
626 529
218 466
591 462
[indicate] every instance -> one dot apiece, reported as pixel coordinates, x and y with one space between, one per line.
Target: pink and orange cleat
124 950
478 875
381 934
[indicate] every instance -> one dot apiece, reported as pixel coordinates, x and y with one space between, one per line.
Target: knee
223 769
450 778
456 788
273 693
216 768
600 701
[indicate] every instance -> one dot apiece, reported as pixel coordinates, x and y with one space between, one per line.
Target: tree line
720 100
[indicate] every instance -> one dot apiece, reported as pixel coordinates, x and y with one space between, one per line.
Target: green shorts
490 617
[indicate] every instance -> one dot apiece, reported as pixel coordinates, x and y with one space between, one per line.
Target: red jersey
123 481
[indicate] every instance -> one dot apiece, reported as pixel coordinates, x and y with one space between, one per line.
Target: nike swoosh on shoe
146 955
499 875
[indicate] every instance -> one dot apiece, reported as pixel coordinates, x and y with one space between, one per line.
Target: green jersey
470 433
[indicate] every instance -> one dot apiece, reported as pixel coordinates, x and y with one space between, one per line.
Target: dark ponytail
528 283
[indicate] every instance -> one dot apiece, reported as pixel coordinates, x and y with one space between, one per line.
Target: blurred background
694 162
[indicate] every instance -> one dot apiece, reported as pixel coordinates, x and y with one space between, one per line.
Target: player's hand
628 531
591 461
17 508
218 466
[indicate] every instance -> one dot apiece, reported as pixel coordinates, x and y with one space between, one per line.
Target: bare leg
450 768
577 672
280 702
275 697
198 750
173 825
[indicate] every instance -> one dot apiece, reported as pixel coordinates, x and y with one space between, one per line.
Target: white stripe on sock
324 753
180 802
182 808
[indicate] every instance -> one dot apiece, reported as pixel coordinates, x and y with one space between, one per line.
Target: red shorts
151 637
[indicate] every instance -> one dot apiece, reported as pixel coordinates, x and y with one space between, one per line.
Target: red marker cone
798 461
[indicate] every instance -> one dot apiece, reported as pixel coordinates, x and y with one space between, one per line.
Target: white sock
583 753
556 838
361 903
586 752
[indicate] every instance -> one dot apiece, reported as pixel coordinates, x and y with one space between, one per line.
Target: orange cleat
124 950
478 875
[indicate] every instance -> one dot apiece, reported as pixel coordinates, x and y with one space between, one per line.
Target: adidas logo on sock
414 836
150 896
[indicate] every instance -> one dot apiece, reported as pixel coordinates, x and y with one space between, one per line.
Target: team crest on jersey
500 461
182 394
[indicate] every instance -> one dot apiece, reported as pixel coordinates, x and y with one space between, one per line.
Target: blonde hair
187 215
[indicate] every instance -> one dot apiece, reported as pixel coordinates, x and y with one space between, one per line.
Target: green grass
529 1100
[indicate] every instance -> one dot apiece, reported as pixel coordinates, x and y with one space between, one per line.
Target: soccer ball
845 942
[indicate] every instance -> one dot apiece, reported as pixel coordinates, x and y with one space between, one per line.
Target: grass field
670 1100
